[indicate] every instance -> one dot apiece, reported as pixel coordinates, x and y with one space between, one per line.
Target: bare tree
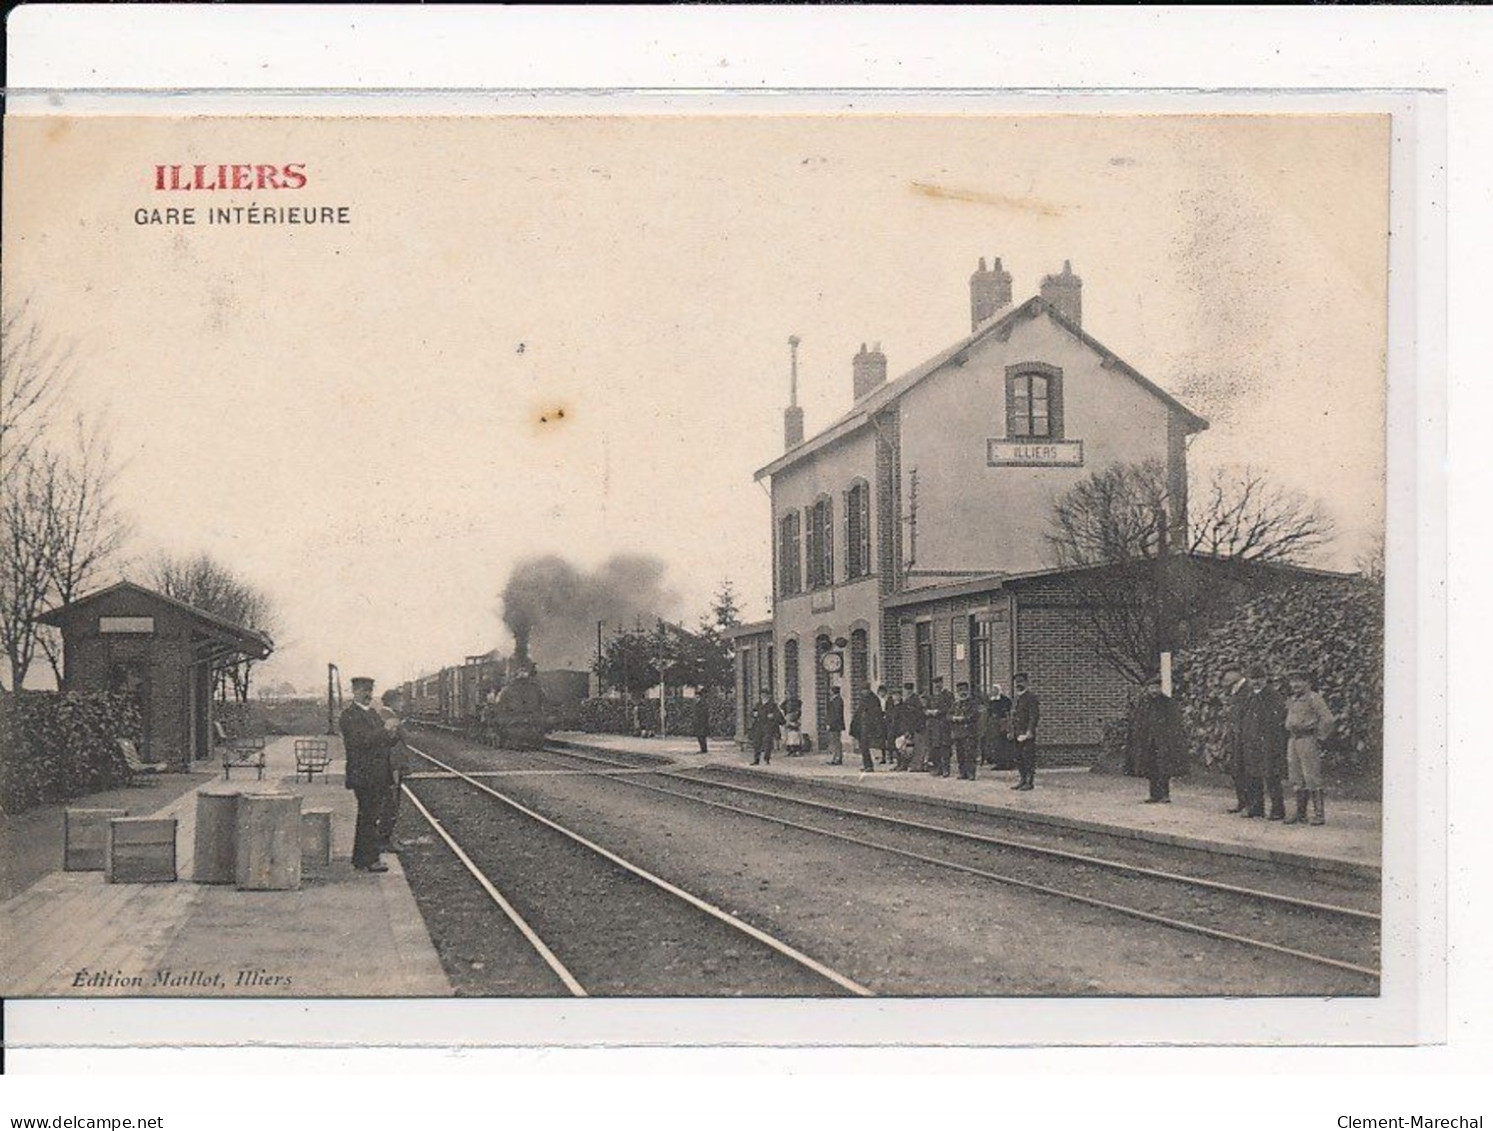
34 370
1243 516
1130 596
25 556
209 585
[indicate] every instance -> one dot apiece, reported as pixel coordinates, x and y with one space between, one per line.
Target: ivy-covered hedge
612 716
54 747
1333 630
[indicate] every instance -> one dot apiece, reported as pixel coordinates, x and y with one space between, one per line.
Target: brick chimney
1065 293
793 416
869 369
989 292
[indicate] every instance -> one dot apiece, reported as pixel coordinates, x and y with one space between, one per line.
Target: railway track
601 923
1226 912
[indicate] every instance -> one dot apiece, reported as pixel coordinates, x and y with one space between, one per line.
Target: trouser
762 748
888 752
701 739
389 813
865 745
1304 761
920 753
372 800
941 755
967 751
836 747
1161 786
1258 788
1026 760
1241 790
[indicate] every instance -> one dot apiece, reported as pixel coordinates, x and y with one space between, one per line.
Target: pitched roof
261 644
874 401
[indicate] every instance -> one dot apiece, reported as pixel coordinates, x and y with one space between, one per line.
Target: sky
365 419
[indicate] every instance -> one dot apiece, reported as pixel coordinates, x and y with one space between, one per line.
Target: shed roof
248 641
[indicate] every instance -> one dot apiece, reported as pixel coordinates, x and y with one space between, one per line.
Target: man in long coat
940 735
1157 749
1238 691
834 725
766 718
907 720
702 718
868 727
964 729
366 743
1026 713
1262 745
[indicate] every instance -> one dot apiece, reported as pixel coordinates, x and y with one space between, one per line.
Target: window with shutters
858 530
1034 402
821 544
790 554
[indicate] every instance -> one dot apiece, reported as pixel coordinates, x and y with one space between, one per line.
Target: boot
1319 805
1299 818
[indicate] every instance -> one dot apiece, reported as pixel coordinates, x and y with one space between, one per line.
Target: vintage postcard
694 552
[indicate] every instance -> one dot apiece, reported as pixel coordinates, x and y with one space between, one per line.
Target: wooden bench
242 754
134 765
312 757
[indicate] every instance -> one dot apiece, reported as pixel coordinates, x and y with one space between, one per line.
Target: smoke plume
552 607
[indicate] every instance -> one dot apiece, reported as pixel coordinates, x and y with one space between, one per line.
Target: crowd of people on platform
1271 740
911 733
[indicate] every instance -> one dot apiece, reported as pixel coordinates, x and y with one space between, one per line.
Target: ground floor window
925 657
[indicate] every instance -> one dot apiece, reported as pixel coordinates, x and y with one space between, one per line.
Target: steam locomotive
500 701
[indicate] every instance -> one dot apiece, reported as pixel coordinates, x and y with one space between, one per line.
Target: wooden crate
85 838
316 840
268 848
141 850
214 852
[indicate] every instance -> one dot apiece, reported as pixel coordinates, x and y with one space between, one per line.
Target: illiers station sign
1034 453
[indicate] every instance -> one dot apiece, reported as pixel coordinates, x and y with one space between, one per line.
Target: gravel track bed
616 933
1332 936
1270 876
897 925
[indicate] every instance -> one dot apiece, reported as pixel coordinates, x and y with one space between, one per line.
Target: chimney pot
868 370
989 292
1064 293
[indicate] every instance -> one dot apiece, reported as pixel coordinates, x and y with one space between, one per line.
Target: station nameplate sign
135 626
1034 453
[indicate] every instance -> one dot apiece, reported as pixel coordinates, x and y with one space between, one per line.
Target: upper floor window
821 544
790 555
1034 402
858 531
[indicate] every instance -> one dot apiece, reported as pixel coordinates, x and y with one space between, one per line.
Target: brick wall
1078 690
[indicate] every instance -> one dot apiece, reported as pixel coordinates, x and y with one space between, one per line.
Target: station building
909 536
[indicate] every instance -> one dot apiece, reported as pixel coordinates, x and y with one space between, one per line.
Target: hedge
1331 629
59 746
608 715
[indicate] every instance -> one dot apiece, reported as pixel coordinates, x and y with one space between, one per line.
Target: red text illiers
229 178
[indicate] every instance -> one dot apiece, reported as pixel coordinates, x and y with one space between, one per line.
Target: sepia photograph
694 555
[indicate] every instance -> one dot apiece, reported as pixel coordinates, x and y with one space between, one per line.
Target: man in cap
964 727
1308 725
940 737
1237 690
834 724
366 742
907 720
1262 739
867 727
1157 749
1026 713
766 718
390 709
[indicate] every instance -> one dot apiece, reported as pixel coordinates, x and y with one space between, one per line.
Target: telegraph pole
1165 631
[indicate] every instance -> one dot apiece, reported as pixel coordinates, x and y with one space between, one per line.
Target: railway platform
1348 844
342 934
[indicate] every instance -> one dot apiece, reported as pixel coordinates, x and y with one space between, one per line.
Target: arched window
860 678
1034 402
821 543
822 644
857 530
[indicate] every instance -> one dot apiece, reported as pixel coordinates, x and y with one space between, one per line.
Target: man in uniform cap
907 720
1262 741
1237 690
1157 749
940 737
366 741
1026 713
964 724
